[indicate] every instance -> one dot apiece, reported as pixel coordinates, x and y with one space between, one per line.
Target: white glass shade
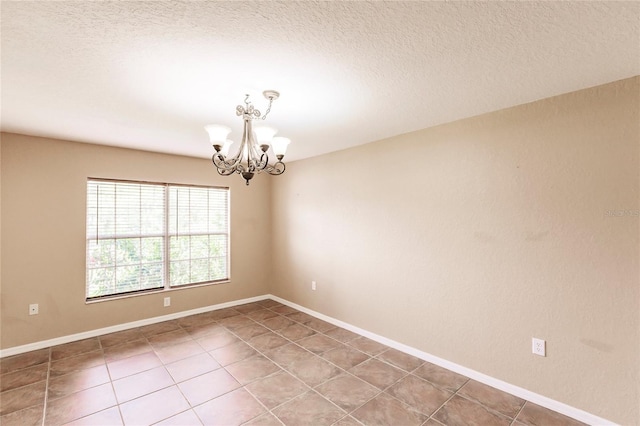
264 135
279 145
217 133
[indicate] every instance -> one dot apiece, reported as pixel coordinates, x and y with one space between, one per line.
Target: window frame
166 236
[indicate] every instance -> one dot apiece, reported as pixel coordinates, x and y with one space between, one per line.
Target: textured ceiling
150 75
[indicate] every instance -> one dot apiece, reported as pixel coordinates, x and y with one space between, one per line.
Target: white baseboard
541 400
125 326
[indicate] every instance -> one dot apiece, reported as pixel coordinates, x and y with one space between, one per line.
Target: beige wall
43 236
468 239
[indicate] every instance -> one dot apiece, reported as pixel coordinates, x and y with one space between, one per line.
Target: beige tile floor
262 363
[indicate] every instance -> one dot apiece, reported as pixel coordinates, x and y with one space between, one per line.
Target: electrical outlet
33 309
538 347
167 301
313 285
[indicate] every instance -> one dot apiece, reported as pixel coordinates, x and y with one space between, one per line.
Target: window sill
153 291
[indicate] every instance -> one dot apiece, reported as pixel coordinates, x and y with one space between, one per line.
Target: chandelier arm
232 163
257 157
221 163
253 162
222 167
277 169
247 140
264 162
251 167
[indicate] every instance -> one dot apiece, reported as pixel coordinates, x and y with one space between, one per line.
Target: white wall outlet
539 347
313 285
34 309
167 301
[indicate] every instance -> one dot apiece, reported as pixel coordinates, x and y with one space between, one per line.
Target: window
149 236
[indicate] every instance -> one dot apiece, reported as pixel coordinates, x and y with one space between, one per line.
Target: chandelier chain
268 108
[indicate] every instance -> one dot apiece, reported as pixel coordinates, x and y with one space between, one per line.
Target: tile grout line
268 411
46 389
383 391
113 389
175 383
117 405
440 407
489 409
164 366
519 411
433 420
261 353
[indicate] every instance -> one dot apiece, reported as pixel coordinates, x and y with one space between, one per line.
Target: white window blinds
198 236
145 236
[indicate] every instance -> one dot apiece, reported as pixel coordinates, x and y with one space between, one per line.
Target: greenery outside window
153 236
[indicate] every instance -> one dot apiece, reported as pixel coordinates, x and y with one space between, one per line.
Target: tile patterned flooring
262 363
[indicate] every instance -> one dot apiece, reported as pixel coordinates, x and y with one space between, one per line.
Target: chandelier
251 157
